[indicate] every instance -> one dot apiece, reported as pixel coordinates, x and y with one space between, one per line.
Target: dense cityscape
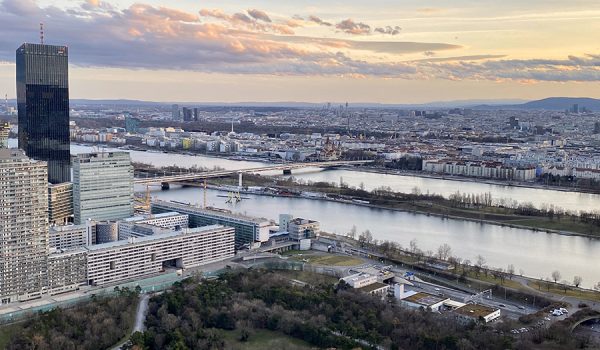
131 224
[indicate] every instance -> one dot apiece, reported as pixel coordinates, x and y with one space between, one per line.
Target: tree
480 263
444 251
565 285
597 286
577 281
413 246
510 270
352 233
556 276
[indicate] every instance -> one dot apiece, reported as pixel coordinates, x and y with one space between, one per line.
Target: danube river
536 253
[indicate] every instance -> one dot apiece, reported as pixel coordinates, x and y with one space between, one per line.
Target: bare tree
510 270
577 281
444 251
479 263
556 276
565 285
597 286
413 246
352 233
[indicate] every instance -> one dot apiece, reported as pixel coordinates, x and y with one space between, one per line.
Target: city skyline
413 52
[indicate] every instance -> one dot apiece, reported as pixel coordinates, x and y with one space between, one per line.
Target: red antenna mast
42 33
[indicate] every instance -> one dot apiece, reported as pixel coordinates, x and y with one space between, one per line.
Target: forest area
193 315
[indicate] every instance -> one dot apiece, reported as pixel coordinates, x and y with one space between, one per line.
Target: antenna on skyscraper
42 33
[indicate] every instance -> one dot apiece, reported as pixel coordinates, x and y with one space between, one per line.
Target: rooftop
153 237
475 310
372 287
227 214
424 299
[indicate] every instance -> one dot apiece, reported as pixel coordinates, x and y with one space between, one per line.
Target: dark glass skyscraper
43 103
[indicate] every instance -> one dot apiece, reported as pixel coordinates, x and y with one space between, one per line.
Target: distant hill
551 104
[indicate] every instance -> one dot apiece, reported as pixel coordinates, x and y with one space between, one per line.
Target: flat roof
425 299
152 216
371 287
189 207
475 310
151 238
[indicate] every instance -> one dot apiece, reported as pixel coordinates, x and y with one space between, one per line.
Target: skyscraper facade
23 226
43 106
102 186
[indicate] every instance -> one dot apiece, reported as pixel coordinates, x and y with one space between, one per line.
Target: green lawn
263 339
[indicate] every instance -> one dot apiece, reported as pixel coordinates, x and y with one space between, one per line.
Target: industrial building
139 257
367 283
102 186
248 230
60 203
23 226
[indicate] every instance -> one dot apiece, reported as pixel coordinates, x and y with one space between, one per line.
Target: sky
387 51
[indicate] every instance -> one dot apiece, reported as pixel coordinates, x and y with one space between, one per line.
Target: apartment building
68 237
139 257
23 226
60 203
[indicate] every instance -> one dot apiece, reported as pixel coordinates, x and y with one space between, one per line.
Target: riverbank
567 225
457 178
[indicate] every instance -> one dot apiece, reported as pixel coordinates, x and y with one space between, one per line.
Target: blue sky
358 51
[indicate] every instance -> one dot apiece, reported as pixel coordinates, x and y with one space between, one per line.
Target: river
536 253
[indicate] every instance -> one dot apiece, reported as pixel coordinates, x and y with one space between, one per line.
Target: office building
102 186
132 125
60 203
4 131
68 237
187 114
139 257
247 229
23 226
300 228
170 220
175 112
43 107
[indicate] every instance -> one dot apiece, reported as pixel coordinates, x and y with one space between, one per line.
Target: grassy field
324 259
263 339
558 290
308 277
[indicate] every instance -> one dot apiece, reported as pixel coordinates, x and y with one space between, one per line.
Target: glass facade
43 103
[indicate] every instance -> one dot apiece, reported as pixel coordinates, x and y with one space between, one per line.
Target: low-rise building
170 220
423 300
477 313
247 229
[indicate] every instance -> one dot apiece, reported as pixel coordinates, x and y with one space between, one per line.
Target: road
140 317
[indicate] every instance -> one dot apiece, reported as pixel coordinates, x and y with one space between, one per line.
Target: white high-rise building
102 186
23 226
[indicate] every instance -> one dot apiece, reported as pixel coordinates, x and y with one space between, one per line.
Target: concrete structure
4 130
360 280
247 229
67 270
138 257
423 300
68 237
106 232
170 220
23 226
102 186
476 313
300 228
43 106
60 203
492 170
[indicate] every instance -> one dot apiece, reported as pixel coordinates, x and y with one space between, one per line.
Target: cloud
142 36
259 15
395 30
429 53
319 21
355 28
